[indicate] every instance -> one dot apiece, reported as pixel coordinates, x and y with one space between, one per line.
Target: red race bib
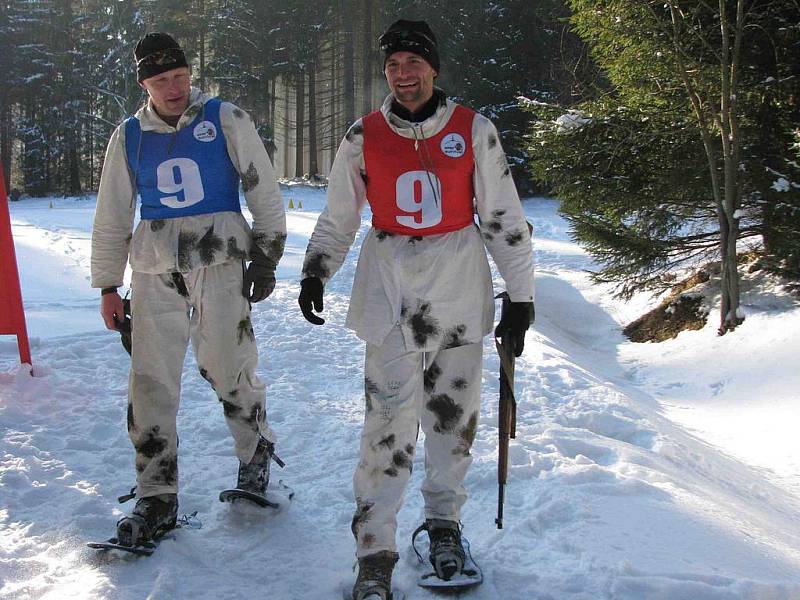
420 187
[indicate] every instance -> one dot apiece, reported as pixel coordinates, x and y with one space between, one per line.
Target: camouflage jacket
184 243
436 288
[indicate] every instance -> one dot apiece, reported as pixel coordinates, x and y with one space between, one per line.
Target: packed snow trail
606 497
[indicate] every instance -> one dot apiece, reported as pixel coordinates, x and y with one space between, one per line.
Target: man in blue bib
183 154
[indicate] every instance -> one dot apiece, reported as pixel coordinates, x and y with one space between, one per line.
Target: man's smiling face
410 77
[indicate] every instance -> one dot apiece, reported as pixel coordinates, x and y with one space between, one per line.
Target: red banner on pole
12 314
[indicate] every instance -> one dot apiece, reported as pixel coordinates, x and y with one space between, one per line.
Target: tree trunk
349 67
90 145
287 130
367 56
300 118
727 193
272 100
313 167
202 44
729 134
5 144
335 97
74 167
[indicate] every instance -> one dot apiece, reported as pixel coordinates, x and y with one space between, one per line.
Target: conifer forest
304 70
669 129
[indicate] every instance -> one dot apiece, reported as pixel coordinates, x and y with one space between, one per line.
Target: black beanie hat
157 53
411 36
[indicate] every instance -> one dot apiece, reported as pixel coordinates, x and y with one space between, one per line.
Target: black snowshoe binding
374 581
151 518
449 556
253 478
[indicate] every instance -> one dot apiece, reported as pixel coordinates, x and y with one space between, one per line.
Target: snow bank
639 471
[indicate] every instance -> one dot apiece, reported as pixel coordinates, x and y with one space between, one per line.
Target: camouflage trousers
205 305
440 390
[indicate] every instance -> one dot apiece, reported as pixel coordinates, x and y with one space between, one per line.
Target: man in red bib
422 295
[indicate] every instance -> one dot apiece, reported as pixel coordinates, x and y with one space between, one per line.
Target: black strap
129 496
417 531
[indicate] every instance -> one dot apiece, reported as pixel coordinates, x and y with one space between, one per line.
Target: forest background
669 129
305 70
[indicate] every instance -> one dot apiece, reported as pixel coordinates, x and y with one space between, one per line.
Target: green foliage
628 182
633 172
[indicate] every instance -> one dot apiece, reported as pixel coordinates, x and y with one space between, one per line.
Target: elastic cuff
108 290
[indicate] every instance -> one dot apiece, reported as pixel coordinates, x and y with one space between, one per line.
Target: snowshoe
147 548
374 580
261 500
151 518
347 594
449 555
253 478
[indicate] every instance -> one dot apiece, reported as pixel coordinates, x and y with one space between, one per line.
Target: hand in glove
125 326
260 275
311 296
516 319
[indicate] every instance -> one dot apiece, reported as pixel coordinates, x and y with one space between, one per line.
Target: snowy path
607 498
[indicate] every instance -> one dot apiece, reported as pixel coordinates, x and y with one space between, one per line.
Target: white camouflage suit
187 284
423 305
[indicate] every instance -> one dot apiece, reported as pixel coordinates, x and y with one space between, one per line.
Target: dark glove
515 321
260 275
125 326
311 296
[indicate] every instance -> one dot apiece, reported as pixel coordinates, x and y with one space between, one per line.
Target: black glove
260 275
125 326
311 296
516 319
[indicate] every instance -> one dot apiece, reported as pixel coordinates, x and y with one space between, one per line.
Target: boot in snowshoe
446 550
151 518
253 478
449 555
374 580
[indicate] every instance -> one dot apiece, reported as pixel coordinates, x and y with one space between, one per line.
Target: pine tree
12 78
670 162
107 37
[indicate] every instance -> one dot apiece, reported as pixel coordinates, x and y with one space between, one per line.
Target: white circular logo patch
205 131
453 145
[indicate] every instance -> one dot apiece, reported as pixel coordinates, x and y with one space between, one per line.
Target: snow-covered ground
640 471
